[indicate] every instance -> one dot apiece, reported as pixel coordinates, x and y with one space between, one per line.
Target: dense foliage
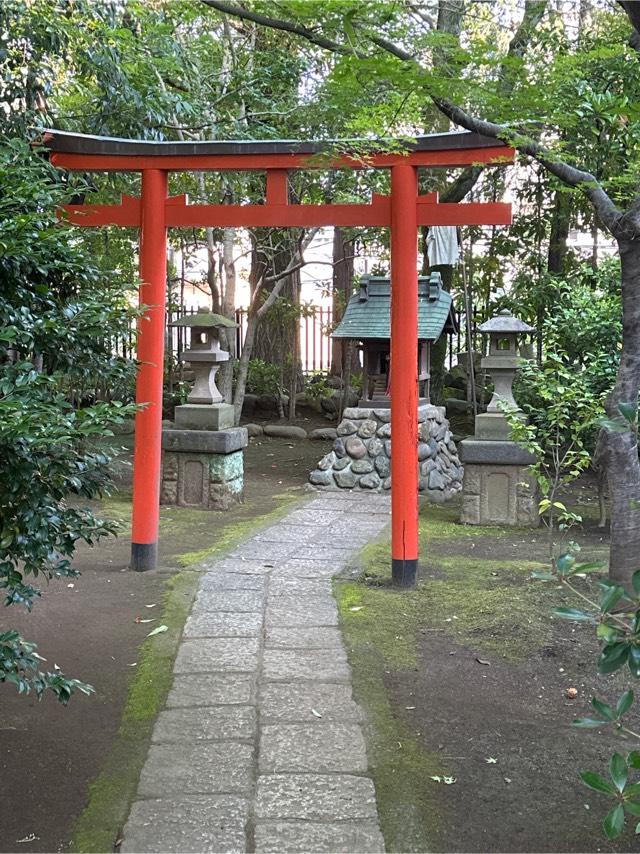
57 313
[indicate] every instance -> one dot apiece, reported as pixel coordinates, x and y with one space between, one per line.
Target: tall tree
542 107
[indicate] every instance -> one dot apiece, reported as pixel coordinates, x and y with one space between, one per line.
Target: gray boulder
323 433
285 431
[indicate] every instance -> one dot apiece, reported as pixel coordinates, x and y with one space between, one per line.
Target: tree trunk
343 251
560 221
621 449
228 336
243 364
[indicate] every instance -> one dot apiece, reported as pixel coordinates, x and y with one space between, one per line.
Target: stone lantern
205 409
202 454
498 487
501 364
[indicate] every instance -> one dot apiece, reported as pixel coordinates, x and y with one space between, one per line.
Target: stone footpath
260 747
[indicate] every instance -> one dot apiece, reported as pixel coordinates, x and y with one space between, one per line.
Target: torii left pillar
150 344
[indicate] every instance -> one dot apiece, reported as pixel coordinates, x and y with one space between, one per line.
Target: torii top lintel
81 152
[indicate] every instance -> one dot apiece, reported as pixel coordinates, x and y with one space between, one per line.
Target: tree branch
278 24
610 215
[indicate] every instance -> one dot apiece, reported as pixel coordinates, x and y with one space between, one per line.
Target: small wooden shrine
367 320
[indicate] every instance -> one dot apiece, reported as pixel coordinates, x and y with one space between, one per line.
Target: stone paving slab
264 551
293 534
325 747
223 624
199 824
344 837
285 665
260 747
204 768
303 637
214 723
307 567
219 579
315 797
293 585
319 517
245 566
229 600
287 612
210 689
308 702
208 655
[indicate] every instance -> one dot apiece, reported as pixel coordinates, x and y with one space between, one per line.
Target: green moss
408 800
238 531
111 794
442 523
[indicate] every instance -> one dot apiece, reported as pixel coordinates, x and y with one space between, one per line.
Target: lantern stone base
204 416
498 488
203 469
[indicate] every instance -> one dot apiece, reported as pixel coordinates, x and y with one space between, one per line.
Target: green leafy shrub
57 315
316 386
263 377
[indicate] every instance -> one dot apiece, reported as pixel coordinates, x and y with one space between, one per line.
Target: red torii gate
154 212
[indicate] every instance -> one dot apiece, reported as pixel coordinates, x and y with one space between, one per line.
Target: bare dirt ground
466 678
49 754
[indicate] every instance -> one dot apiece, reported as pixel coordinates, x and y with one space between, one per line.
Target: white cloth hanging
442 245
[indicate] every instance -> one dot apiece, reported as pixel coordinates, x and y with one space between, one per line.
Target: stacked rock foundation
361 454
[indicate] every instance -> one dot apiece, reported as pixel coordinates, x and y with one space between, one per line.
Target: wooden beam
263 162
181 215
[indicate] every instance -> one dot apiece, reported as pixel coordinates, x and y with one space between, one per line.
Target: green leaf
604 709
588 723
624 703
596 782
633 759
629 412
564 563
613 823
572 614
612 657
619 771
611 597
634 660
158 630
632 807
635 582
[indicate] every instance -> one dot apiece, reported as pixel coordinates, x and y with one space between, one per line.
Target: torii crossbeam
403 212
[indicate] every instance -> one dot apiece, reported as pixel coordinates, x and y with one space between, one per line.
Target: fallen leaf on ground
409 708
356 608
483 661
153 605
158 630
316 713
490 760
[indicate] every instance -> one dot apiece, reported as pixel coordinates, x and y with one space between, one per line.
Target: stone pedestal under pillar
202 468
498 488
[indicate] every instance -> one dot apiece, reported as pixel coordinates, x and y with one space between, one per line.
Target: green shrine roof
367 314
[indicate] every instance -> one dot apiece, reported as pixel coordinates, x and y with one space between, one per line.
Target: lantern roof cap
504 321
205 319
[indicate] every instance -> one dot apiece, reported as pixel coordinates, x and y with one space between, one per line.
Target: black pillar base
403 572
144 556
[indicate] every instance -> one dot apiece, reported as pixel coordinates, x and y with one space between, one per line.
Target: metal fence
315 330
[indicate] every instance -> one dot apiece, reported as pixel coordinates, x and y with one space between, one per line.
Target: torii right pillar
404 374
